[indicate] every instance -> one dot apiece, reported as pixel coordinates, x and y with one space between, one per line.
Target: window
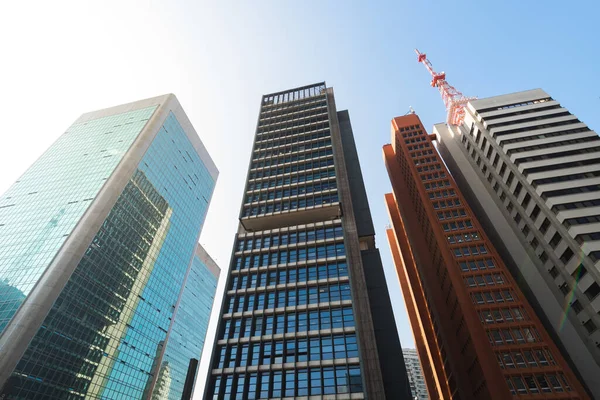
576 307
510 178
590 326
526 200
535 212
545 225
592 291
566 256
555 240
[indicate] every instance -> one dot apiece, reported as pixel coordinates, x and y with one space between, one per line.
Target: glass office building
306 310
97 242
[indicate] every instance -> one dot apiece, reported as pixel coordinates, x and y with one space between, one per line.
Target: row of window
553 144
477 265
266 142
499 296
485 280
525 359
284 238
538 118
294 131
500 337
289 159
570 191
426 168
543 136
411 130
425 160
316 109
456 226
289 256
288 170
301 321
323 293
467 251
306 95
547 383
298 190
451 214
565 178
506 107
291 204
277 384
501 315
442 194
560 165
291 149
289 275
422 153
424 145
437 185
536 127
309 104
289 123
463 237
575 205
446 203
288 351
586 237
290 180
558 154
434 176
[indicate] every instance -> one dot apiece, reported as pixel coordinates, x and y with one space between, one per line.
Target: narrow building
415 374
476 334
306 310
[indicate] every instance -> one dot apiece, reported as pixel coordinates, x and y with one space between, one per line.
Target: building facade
475 332
531 171
415 374
97 242
306 310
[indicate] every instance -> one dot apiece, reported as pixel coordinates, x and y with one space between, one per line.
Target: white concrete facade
415 374
532 173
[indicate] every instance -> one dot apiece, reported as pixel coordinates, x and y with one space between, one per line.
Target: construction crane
454 100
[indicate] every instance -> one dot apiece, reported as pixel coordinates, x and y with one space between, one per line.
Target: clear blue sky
65 58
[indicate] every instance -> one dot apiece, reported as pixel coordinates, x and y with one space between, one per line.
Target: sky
60 59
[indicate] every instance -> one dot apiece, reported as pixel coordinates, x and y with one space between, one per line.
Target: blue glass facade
111 332
186 338
41 209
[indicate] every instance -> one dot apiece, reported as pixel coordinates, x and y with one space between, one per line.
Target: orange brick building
476 335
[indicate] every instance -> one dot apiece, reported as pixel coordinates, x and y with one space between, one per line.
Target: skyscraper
531 172
99 258
306 310
476 334
415 374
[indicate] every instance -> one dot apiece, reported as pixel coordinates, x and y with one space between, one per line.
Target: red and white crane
454 100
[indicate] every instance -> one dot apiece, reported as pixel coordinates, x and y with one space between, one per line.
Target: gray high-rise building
415 374
306 310
531 172
104 291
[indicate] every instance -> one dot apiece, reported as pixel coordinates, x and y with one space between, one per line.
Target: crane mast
454 100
